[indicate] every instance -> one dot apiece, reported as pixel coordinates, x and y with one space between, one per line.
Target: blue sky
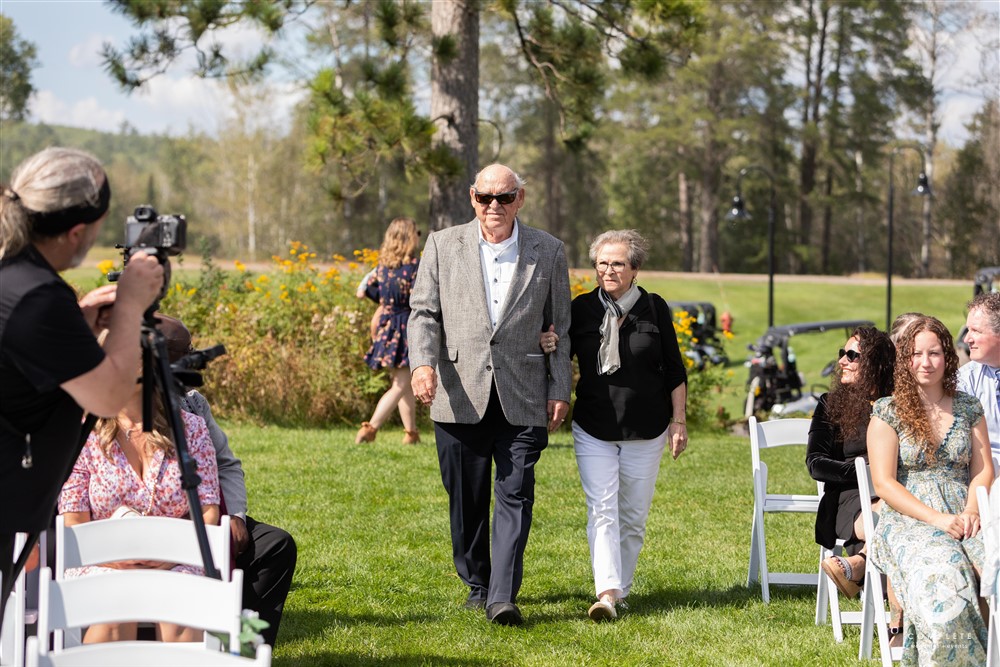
72 88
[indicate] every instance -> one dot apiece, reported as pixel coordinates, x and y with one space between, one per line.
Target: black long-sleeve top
830 459
633 403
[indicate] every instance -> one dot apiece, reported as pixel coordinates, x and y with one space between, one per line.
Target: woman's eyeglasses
852 355
602 267
503 198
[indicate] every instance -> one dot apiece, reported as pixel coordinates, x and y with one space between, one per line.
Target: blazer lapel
474 270
527 260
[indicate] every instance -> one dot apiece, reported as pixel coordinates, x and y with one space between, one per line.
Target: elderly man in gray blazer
485 292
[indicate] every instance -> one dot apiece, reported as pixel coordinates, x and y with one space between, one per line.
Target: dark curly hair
850 405
909 407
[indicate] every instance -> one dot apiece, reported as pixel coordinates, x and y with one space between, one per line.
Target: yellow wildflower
106 266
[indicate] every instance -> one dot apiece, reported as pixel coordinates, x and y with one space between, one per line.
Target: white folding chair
989 515
768 435
141 595
147 654
140 538
15 615
874 617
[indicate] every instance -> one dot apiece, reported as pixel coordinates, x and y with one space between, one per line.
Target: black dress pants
466 453
268 564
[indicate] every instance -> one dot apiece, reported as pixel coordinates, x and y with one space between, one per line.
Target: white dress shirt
498 261
981 381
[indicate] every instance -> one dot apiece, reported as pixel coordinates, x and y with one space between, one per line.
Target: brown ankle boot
366 433
411 437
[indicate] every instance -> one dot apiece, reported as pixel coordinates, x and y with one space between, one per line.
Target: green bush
295 337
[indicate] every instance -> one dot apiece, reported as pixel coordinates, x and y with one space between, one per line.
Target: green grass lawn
375 583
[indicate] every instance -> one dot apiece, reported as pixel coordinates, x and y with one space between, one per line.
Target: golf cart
987 280
775 384
708 348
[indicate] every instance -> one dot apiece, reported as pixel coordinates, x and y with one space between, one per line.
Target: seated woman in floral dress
123 469
929 451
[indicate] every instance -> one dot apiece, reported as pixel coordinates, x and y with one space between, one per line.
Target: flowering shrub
295 336
703 383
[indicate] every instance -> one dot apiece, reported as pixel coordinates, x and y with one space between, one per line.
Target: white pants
618 479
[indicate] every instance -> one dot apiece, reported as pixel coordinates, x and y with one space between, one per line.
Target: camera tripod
157 374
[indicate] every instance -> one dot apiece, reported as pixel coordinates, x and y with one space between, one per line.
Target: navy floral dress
933 574
391 289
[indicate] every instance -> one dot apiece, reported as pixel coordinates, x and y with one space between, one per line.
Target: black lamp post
923 189
738 212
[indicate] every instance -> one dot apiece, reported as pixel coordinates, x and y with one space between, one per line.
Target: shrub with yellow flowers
294 334
705 384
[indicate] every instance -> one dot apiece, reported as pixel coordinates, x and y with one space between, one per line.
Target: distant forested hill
134 162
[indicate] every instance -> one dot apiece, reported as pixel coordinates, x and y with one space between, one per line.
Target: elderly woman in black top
837 436
630 402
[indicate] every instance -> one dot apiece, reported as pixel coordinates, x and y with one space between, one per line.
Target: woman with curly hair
837 436
929 450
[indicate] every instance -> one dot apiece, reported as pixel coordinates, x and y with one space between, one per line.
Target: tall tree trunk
708 212
810 137
859 211
833 124
686 222
455 108
551 178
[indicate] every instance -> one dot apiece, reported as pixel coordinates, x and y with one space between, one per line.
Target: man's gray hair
518 181
989 303
637 246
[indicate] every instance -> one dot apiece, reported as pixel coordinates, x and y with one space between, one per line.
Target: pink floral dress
100 485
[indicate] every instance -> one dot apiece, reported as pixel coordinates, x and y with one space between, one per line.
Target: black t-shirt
44 341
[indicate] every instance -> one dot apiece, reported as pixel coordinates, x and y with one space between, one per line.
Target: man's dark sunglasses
852 355
486 198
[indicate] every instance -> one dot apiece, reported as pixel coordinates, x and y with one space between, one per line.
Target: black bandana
53 223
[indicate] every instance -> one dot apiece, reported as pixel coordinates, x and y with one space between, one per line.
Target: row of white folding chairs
66 605
873 617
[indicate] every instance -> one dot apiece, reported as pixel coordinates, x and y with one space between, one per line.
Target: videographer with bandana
52 371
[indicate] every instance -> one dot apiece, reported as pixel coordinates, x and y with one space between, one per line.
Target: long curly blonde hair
108 428
400 243
910 409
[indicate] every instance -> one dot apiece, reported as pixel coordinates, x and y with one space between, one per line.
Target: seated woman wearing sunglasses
837 436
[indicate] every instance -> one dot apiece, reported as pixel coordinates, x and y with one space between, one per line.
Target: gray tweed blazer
449 327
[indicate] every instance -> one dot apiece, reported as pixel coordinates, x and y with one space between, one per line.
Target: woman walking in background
929 450
630 400
389 286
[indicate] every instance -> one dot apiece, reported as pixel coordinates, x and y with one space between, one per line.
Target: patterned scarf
608 359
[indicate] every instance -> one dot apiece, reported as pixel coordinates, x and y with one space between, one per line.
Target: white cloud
46 107
87 54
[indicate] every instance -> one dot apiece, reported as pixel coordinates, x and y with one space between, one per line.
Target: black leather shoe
475 603
504 613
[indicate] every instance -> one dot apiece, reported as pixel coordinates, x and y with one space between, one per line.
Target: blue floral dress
931 572
391 289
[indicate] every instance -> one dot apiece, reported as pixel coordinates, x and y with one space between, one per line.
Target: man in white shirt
484 293
981 376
